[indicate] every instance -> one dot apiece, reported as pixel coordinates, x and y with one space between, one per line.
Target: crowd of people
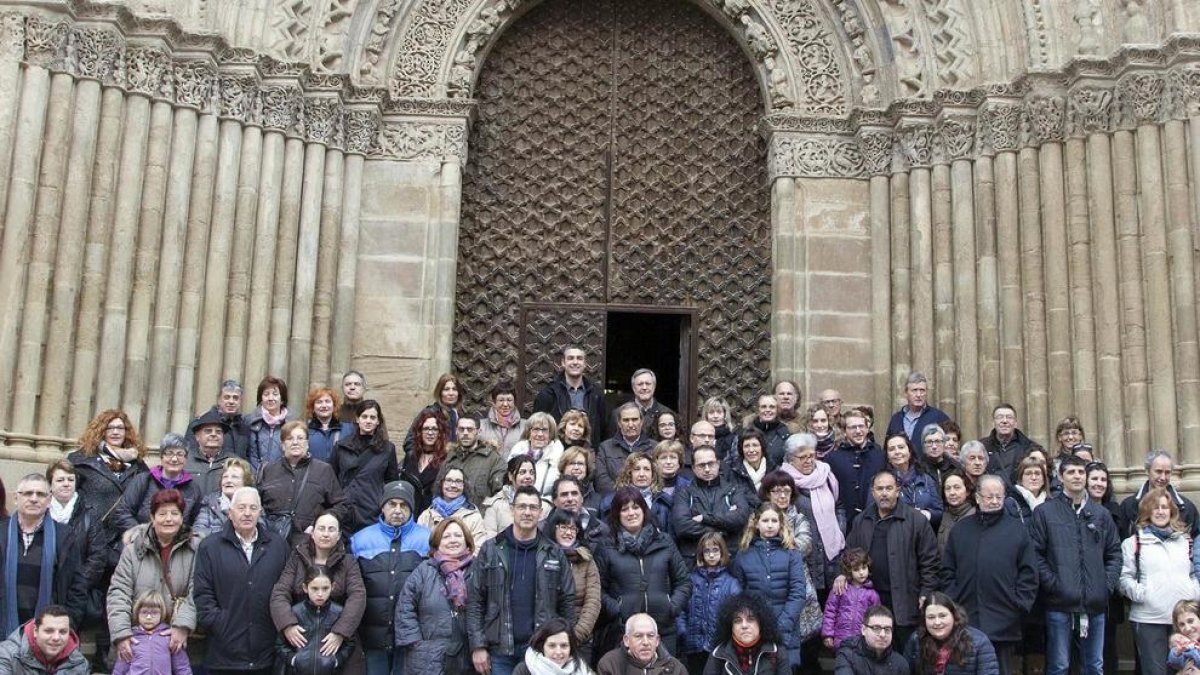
580 540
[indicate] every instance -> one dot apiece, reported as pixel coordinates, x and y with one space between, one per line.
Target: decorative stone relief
760 41
906 47
381 27
322 120
95 52
1141 97
1002 126
916 144
422 140
951 41
1047 119
1037 33
1137 24
361 128
45 42
146 70
12 36
427 38
807 157
238 96
860 53
332 37
280 106
290 25
1090 110
878 151
1187 85
957 136
820 86
1086 19
195 83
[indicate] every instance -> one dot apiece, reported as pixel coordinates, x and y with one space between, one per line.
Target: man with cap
206 461
387 552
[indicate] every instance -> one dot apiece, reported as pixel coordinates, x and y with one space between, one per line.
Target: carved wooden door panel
614 162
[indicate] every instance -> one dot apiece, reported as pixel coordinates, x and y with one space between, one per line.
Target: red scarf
51 664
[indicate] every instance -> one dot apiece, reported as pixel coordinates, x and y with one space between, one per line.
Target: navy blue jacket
1078 555
930 415
776 574
697 627
854 484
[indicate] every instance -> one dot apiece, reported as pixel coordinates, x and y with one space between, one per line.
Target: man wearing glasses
45 554
872 653
710 503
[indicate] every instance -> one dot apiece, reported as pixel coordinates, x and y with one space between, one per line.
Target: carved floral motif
238 96
1003 126
45 41
1141 96
422 140
12 36
146 69
194 83
95 52
957 137
322 119
877 148
1090 110
1047 118
803 157
916 144
280 106
361 128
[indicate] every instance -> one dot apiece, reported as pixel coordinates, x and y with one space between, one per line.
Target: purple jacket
152 655
844 613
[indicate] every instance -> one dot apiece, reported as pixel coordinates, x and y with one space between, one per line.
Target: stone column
91 298
877 151
360 129
987 287
267 231
149 252
1035 416
1180 258
917 143
900 274
327 256
237 317
1133 342
1079 263
42 252
787 336
942 379
22 197
450 193
1004 125
12 49
965 291
186 399
286 262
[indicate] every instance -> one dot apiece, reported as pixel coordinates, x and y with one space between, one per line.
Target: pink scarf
452 570
823 493
271 420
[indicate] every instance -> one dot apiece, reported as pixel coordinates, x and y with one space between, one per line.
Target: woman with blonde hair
540 443
771 566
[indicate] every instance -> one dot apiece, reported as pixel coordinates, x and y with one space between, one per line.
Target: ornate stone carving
878 150
781 96
820 87
361 128
1090 110
916 144
322 119
1141 97
735 8
421 140
45 42
957 136
1003 126
1137 25
1086 18
280 105
1035 26
1047 118
12 36
952 40
428 36
798 157
238 96
760 41
381 27
290 26
147 69
906 47
194 83
443 107
95 52
1186 83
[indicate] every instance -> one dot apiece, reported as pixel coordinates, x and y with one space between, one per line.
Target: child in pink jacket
844 613
152 641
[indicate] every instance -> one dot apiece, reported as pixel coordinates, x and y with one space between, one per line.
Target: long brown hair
440 445
93 435
959 639
1150 501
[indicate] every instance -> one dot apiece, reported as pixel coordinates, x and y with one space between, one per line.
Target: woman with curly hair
422 462
817 423
641 471
945 644
748 639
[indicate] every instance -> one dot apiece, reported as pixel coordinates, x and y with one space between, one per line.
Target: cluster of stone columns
1042 253
169 221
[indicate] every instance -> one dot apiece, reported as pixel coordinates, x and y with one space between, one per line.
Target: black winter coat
855 658
770 660
777 434
724 505
280 483
71 571
776 575
854 484
237 439
134 507
1078 555
981 660
912 556
649 577
554 399
362 470
990 569
102 489
317 622
233 597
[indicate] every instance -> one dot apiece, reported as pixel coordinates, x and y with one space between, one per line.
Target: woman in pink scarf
503 424
816 481
431 612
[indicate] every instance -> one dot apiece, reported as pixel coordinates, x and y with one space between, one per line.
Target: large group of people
579 540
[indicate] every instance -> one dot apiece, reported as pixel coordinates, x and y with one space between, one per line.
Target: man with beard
854 462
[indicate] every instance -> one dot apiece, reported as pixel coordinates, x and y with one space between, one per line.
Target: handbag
281 523
811 616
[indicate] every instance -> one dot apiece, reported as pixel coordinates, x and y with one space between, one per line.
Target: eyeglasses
878 630
566 526
781 491
177 454
452 481
115 427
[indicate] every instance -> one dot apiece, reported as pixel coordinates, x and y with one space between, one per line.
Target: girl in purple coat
844 613
152 641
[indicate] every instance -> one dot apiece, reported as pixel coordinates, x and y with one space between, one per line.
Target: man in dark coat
388 551
611 455
229 410
572 390
521 579
1006 444
871 653
482 465
1079 562
916 414
1159 468
568 496
644 384
710 503
904 553
854 462
989 568
234 574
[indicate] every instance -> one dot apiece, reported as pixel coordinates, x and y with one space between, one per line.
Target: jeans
1153 642
503 664
1060 629
384 662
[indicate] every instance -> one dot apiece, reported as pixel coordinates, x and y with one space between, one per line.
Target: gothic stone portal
615 163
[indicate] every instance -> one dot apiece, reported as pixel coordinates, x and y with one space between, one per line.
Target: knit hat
397 489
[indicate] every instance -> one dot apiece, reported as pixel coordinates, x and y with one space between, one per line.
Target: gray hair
637 617
355 372
915 378
990 478
797 442
171 440
629 406
246 490
643 371
971 447
931 429
228 385
1157 453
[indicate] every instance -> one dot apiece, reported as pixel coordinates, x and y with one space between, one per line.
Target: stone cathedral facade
1003 194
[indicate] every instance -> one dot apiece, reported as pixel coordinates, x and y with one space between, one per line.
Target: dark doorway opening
660 342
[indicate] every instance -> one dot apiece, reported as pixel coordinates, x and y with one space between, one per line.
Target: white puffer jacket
1165 575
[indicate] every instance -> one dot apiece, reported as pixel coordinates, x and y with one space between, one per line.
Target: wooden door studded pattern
621 135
